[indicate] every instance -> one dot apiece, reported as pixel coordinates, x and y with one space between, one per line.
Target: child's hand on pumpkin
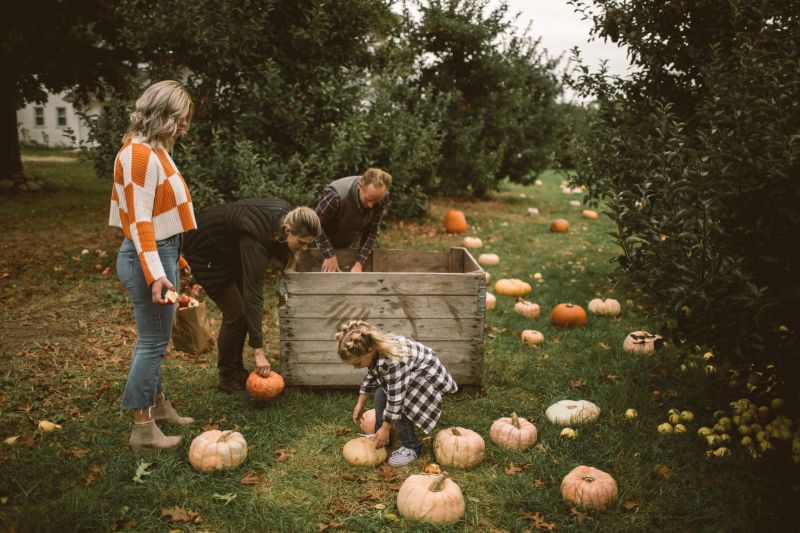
357 412
382 436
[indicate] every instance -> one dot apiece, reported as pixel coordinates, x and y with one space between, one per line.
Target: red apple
171 296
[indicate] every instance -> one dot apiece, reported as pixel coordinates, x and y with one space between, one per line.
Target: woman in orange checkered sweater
151 203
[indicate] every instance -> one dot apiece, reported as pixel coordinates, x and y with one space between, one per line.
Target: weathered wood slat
311 260
377 283
343 307
413 261
341 375
470 263
423 330
319 352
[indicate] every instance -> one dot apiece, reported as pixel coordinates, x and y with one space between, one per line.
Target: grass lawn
67 334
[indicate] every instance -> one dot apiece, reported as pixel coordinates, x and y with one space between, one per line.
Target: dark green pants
232 334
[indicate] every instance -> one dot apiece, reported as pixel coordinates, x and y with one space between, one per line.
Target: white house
52 123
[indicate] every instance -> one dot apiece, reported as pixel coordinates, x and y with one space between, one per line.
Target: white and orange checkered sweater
150 202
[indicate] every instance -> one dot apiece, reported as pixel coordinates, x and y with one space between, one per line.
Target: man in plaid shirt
350 208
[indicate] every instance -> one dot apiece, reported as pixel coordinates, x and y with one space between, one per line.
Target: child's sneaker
402 456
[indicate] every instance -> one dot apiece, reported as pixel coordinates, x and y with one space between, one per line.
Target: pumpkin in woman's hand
431 498
559 225
491 301
459 447
513 433
264 389
455 221
489 259
589 487
607 307
472 242
568 316
527 309
531 337
512 287
569 412
642 342
361 452
215 450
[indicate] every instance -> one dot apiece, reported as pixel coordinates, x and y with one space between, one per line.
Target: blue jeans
405 428
153 321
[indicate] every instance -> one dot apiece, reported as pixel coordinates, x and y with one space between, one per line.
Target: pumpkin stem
436 486
515 420
588 479
455 432
224 435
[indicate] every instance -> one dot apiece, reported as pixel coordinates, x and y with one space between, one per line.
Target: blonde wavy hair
356 337
301 221
157 114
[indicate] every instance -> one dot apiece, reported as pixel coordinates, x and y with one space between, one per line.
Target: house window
38 113
61 116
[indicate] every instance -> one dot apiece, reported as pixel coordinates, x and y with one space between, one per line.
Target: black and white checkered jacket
414 384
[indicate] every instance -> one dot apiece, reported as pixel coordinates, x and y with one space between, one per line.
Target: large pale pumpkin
431 498
361 452
512 287
472 242
264 389
642 342
568 316
607 307
590 488
489 259
513 433
569 412
455 221
531 337
459 447
527 309
368 424
216 450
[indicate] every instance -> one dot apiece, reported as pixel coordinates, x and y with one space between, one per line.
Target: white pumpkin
607 307
527 309
472 242
569 412
491 301
216 450
489 259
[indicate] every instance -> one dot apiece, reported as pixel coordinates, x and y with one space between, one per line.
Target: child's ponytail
356 337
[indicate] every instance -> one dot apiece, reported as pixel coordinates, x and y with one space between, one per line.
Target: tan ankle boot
164 411
147 438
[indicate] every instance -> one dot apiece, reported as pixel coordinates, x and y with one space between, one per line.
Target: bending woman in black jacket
228 255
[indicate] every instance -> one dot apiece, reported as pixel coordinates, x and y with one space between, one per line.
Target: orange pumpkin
590 214
568 316
527 309
559 225
455 221
512 287
264 389
589 487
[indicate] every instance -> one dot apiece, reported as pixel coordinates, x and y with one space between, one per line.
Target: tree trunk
10 161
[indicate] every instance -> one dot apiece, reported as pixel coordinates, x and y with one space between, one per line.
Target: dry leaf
330 525
336 507
340 432
177 514
539 483
74 452
582 517
387 473
141 471
539 521
374 494
92 476
603 346
284 454
663 470
347 476
630 505
432 468
512 469
251 478
577 384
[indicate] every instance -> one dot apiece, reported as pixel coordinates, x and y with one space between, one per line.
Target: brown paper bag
191 331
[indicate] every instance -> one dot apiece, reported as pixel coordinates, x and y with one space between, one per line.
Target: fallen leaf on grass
284 454
390 517
512 469
330 525
141 470
74 452
374 494
662 470
539 483
387 474
123 523
336 507
577 384
177 514
630 505
11 440
94 473
251 478
582 517
227 498
342 431
431 468
603 346
538 521
347 476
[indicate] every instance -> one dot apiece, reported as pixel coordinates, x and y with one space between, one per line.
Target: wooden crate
437 298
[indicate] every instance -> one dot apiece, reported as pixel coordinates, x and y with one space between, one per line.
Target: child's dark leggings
405 428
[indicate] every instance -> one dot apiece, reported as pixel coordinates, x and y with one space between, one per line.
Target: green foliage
696 157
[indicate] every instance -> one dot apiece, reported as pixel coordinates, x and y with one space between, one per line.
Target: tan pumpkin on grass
473 242
590 488
264 389
430 498
568 315
559 225
361 452
513 433
459 447
527 309
487 276
590 214
367 424
569 412
531 337
489 259
512 287
491 301
642 342
215 450
607 307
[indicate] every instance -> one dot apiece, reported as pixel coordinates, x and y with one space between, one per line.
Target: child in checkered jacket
406 379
